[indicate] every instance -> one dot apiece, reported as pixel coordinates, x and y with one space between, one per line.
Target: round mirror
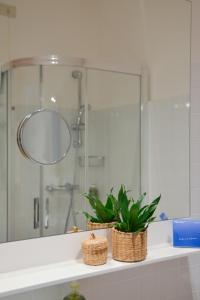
44 137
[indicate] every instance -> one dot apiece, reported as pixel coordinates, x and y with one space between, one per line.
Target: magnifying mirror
44 137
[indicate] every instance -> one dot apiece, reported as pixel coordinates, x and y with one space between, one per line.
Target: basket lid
94 240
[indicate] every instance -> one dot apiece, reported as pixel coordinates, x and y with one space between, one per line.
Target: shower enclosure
102 109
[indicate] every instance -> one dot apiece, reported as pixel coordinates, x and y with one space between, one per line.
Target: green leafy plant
108 212
134 216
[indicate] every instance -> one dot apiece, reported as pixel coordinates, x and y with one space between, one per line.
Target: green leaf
149 210
91 218
141 199
134 213
123 203
109 203
115 207
121 227
92 200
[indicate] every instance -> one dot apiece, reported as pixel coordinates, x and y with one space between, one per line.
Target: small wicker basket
95 250
93 226
129 247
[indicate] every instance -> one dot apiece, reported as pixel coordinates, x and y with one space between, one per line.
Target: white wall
4 39
66 31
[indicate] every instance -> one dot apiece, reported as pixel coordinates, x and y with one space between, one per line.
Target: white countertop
33 278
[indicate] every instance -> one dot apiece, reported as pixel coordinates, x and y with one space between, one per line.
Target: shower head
77 74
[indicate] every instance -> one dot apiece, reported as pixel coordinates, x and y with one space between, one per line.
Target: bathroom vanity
63 264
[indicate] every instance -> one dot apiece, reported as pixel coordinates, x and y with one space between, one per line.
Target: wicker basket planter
93 226
95 250
129 247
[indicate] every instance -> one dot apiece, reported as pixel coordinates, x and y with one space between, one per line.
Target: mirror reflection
111 107
44 137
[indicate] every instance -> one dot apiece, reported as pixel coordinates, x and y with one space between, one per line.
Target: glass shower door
4 56
49 194
3 158
24 176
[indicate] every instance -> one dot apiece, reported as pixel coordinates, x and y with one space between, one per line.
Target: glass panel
3 158
24 178
4 56
114 131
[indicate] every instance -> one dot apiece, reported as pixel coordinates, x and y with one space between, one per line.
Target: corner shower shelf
34 278
93 161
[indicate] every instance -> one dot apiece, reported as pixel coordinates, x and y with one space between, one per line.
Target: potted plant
105 215
129 235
